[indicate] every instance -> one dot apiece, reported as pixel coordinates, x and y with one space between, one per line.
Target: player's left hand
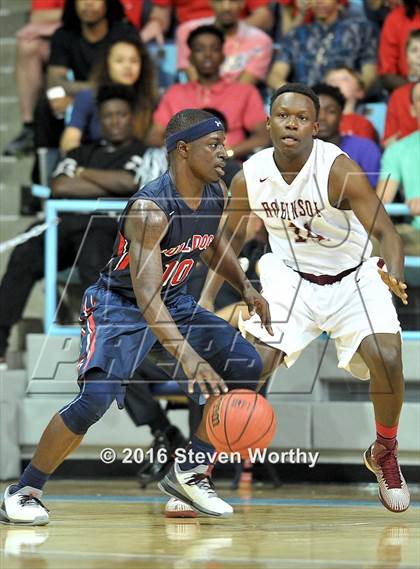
258 305
395 285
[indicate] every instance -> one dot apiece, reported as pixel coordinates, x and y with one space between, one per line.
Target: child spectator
351 87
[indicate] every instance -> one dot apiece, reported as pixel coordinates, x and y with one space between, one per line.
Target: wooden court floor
113 524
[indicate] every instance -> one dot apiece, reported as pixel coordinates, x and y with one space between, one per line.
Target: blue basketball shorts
115 338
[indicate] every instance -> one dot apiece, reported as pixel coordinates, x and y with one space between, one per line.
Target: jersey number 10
177 271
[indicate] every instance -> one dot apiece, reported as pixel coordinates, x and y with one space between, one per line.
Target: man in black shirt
88 28
114 167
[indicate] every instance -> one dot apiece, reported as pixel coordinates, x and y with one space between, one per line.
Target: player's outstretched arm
233 228
222 256
145 227
349 185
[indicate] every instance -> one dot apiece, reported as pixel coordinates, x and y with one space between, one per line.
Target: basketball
240 420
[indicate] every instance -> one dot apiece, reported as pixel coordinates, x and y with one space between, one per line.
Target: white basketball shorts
349 311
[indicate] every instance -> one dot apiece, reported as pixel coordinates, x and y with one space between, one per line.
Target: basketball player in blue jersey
319 211
138 299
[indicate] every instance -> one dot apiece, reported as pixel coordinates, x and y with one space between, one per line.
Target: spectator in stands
114 167
239 102
331 41
32 53
248 50
88 28
351 87
258 14
126 62
400 168
399 120
393 67
363 151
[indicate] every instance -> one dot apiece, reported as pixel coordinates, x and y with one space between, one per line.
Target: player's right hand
199 371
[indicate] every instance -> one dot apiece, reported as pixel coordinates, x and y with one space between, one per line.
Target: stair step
51 362
14 6
10 204
9 115
11 21
7 79
7 50
14 171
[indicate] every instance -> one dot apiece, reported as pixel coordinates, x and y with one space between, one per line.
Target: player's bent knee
385 359
389 366
88 408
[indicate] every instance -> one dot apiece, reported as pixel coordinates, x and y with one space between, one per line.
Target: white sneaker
177 509
195 488
24 507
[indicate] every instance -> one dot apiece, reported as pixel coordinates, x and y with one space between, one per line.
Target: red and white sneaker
393 490
175 508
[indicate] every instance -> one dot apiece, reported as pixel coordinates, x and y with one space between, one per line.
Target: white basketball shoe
24 507
195 488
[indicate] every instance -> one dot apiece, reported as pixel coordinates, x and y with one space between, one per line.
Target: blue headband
193 132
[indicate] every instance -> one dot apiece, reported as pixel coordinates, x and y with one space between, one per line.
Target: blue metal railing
53 207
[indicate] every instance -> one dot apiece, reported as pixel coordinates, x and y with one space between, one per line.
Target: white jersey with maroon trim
305 230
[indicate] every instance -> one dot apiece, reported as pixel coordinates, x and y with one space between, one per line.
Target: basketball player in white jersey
319 210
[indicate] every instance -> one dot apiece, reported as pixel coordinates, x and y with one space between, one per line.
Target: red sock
386 436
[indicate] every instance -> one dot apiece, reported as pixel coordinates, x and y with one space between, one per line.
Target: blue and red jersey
189 233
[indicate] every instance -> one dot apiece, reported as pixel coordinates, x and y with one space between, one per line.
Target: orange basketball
240 420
